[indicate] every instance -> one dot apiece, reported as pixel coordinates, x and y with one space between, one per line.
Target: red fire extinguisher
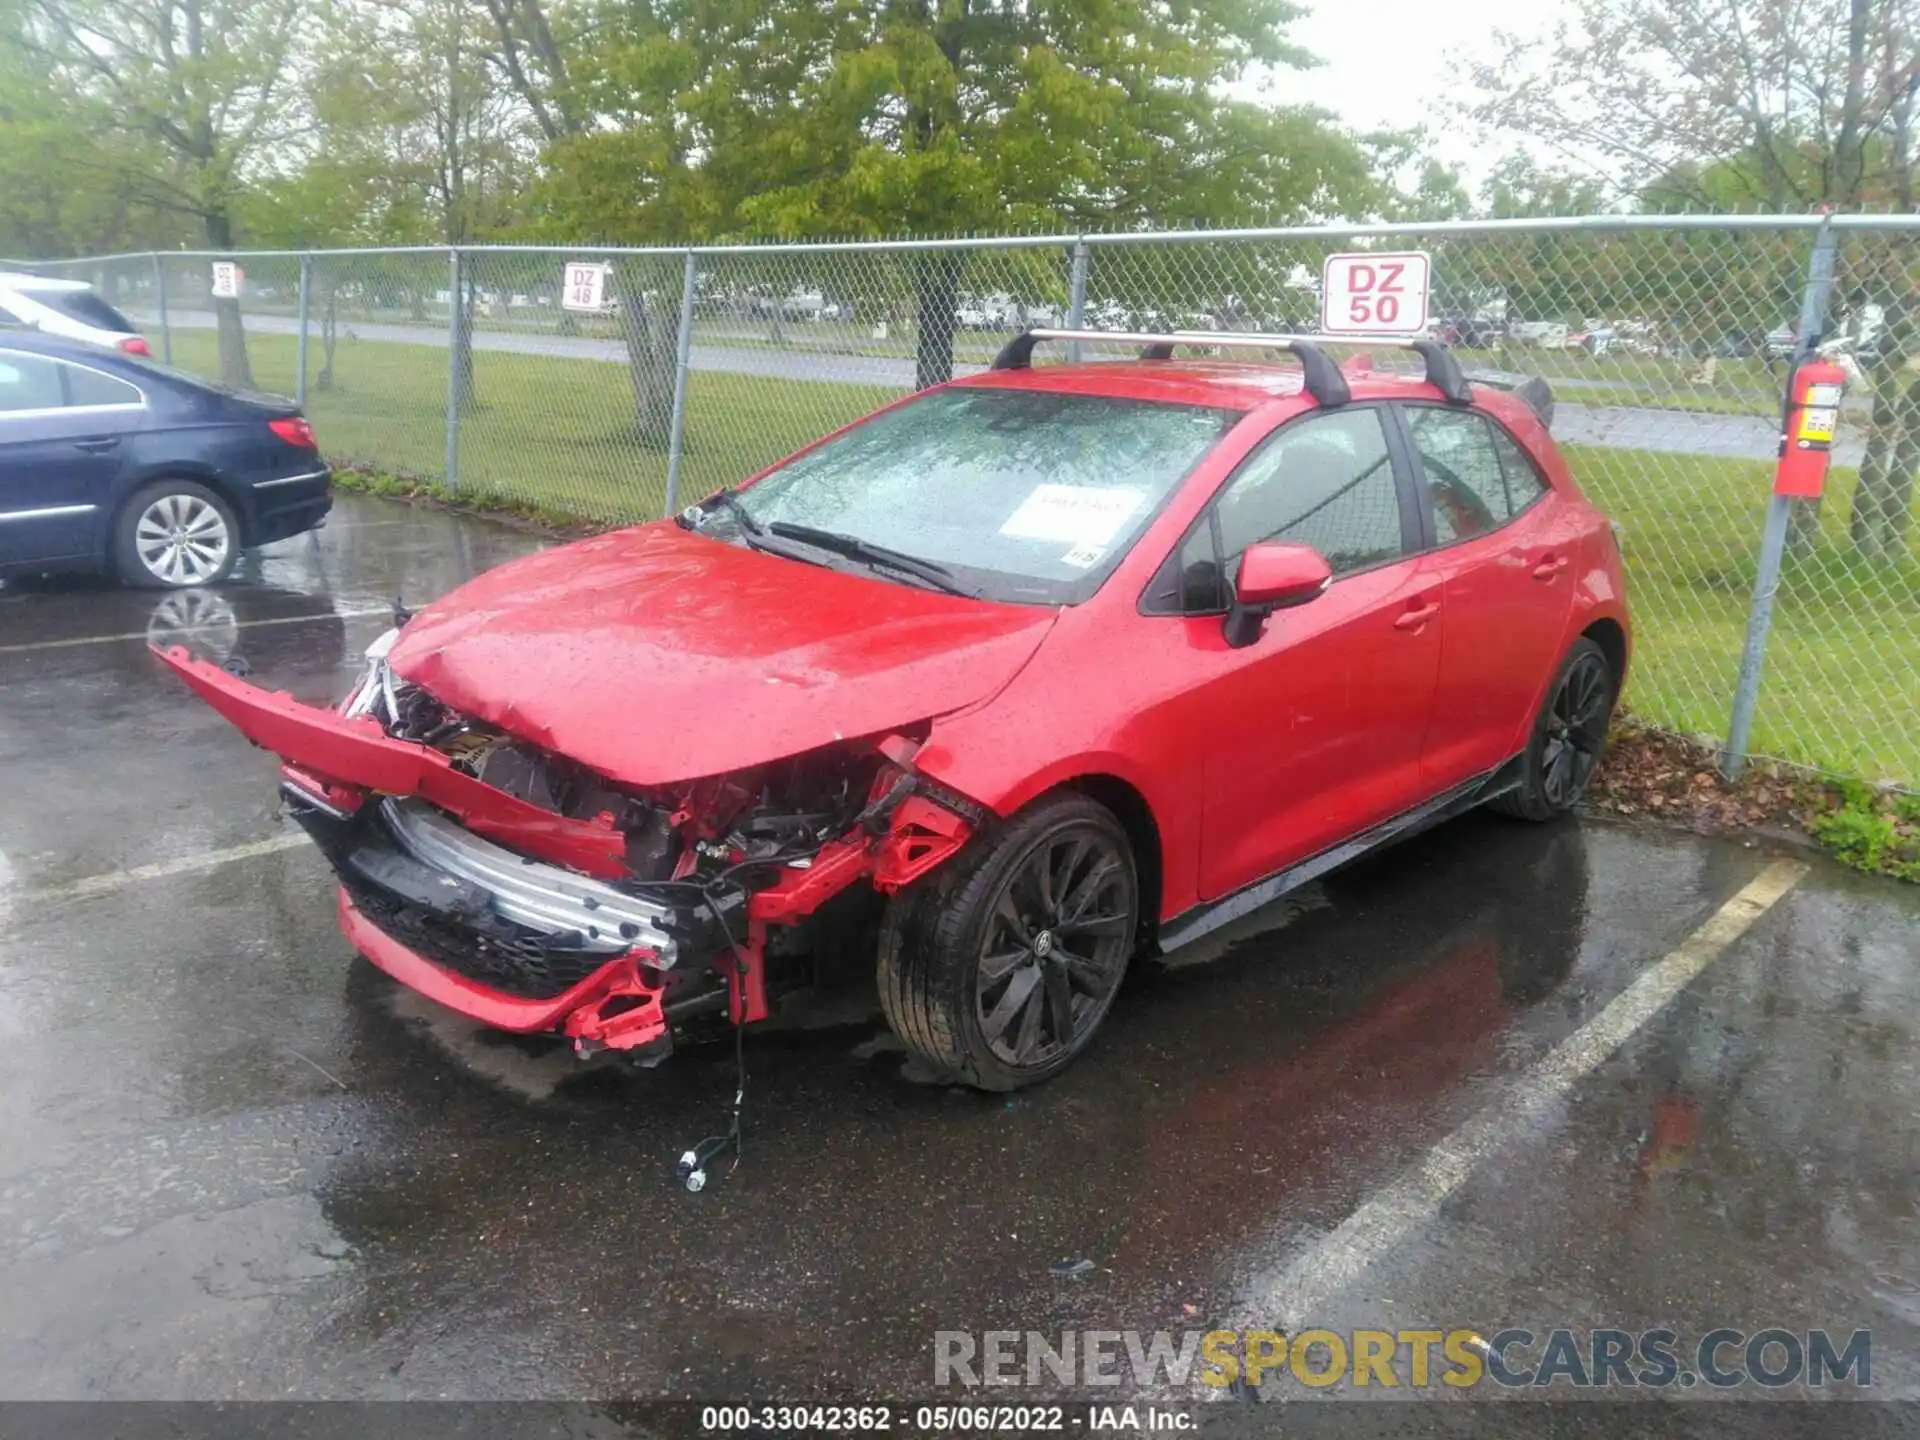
1806 440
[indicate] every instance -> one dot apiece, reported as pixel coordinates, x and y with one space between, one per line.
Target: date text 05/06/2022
962 1418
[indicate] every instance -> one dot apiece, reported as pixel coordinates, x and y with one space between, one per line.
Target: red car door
1504 546
1314 731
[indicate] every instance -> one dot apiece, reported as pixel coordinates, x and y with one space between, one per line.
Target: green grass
549 432
1841 689
1653 382
1841 686
1875 832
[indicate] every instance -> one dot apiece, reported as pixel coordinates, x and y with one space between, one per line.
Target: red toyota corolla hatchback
995 690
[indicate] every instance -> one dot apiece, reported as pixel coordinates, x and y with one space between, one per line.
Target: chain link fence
1667 343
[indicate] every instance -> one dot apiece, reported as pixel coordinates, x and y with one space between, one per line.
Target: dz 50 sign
1374 293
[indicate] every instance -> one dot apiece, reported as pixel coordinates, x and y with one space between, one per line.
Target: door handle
98 447
1550 567
1414 619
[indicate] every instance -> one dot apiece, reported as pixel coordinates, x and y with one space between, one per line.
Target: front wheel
1568 737
1000 967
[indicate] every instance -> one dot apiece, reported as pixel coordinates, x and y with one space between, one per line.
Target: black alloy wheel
1568 738
998 968
1055 947
1576 729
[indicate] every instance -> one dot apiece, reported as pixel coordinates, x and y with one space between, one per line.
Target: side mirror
1274 575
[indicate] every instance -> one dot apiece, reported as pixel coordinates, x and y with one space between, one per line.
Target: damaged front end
523 889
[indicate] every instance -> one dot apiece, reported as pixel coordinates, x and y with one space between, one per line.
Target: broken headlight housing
376 686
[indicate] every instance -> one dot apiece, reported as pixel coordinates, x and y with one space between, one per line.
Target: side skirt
1205 918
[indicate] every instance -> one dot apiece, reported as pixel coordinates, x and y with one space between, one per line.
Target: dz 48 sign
1374 293
583 287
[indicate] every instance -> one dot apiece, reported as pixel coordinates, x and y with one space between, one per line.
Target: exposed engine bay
759 819
616 914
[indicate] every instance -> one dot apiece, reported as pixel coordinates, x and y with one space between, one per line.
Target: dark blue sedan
114 462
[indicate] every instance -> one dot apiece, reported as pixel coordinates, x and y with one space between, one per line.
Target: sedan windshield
1019 495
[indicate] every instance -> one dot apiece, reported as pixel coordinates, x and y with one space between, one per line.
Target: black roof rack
1323 378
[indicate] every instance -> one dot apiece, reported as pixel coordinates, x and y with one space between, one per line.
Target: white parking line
173 630
182 865
1410 1202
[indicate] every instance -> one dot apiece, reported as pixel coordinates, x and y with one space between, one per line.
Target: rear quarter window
1524 483
1464 480
91 387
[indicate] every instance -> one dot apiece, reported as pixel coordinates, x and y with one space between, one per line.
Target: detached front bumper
507 940
578 1012
526 919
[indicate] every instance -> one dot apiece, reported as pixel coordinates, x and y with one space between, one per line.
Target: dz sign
583 287
1374 293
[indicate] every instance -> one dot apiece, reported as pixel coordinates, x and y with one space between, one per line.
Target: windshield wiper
854 548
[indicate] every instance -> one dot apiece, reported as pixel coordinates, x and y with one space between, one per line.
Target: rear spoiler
1535 391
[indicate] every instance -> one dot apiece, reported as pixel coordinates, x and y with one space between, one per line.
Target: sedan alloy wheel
182 540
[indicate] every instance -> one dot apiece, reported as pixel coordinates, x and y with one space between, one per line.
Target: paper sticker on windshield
1077 515
1083 557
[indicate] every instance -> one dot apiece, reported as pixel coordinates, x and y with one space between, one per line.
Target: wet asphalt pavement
235 1162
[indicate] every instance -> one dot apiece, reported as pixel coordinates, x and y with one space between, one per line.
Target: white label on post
1374 293
227 280
583 287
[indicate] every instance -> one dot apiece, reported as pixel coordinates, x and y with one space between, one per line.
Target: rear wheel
998 969
174 534
1568 737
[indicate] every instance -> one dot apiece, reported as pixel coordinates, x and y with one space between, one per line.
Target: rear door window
28 382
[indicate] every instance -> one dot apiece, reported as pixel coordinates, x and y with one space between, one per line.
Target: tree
961 115
1743 105
603 110
471 126
1775 105
58 183
188 94
1520 188
813 118
1879 522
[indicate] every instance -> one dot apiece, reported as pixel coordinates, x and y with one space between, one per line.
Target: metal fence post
683 354
452 465
1077 295
160 297
1773 541
300 344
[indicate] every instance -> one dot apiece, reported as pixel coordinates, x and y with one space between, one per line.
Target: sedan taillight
135 345
295 431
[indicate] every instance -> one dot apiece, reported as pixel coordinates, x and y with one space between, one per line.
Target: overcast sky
1401 63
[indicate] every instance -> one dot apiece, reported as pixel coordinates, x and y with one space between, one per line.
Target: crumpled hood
655 655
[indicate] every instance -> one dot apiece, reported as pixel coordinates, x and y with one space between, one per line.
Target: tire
174 534
969 978
1568 737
